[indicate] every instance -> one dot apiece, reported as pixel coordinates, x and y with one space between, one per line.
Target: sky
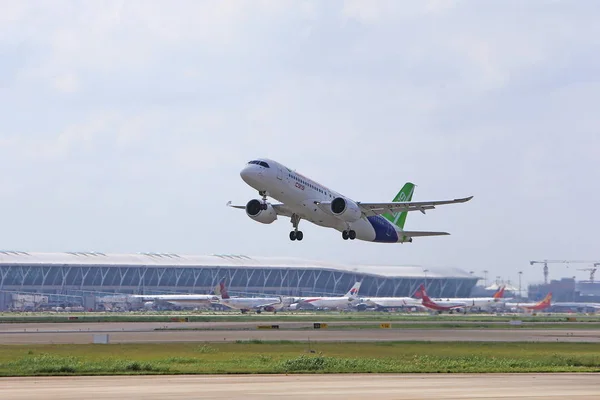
124 125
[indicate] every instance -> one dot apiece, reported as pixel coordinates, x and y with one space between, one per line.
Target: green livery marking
405 194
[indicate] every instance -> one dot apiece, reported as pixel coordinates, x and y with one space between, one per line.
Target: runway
146 332
296 387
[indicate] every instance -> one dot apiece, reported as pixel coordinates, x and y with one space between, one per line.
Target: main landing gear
349 234
296 234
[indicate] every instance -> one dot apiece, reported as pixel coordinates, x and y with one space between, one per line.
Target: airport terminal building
75 273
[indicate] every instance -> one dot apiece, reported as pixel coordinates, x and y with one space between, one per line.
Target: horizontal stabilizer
422 233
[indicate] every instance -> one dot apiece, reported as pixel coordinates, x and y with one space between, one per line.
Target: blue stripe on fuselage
384 230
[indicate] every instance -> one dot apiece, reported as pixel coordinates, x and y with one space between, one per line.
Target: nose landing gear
264 205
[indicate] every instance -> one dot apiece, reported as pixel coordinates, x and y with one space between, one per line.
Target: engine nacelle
345 209
406 239
255 209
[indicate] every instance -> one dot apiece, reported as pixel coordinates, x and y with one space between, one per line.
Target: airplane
541 305
382 303
245 304
345 301
179 300
479 303
302 198
579 306
445 305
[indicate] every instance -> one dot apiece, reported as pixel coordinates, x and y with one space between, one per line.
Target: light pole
485 272
520 274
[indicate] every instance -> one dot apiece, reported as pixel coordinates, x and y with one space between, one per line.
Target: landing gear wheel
351 234
345 235
296 234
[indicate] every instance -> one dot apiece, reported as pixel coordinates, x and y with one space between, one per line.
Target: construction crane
592 271
546 262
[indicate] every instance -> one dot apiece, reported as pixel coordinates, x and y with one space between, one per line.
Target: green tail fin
405 194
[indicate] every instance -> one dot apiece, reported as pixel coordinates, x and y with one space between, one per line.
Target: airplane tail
421 293
221 290
405 194
546 301
499 293
353 290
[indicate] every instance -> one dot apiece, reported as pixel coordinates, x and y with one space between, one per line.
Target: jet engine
255 209
406 239
345 209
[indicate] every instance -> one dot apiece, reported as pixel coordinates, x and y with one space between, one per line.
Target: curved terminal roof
221 260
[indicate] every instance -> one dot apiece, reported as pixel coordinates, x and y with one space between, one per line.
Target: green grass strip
255 357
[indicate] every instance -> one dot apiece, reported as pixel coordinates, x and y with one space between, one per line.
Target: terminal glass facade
203 279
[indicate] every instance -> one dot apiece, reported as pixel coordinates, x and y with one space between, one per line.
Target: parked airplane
302 198
475 303
382 303
179 300
541 305
340 302
446 305
398 302
245 304
578 306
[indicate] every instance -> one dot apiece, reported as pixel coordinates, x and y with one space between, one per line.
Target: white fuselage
249 303
181 300
475 302
328 302
299 195
392 302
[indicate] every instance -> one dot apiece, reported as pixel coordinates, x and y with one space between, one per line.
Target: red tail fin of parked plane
223 290
420 293
544 303
499 293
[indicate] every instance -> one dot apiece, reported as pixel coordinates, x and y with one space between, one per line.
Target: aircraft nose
249 174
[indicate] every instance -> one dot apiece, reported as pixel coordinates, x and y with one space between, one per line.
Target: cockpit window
261 163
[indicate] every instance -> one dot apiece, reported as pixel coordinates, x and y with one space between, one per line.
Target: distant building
79 273
588 291
563 290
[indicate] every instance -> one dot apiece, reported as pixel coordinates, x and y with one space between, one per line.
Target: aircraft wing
371 209
280 209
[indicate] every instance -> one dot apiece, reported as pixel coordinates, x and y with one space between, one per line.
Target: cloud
141 113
